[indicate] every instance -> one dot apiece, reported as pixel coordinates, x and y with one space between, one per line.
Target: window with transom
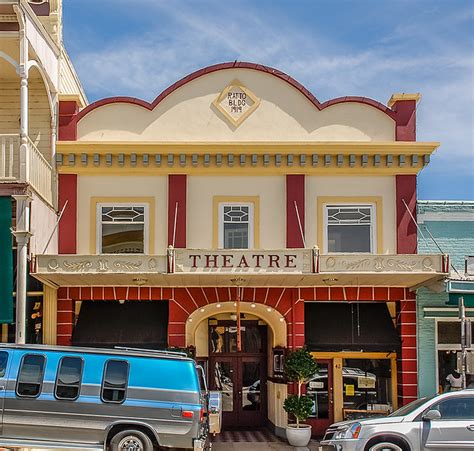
122 228
236 226
349 228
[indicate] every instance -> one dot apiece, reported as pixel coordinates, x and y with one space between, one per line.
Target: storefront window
449 356
367 384
318 390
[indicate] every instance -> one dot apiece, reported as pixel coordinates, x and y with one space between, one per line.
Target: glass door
224 377
252 400
320 390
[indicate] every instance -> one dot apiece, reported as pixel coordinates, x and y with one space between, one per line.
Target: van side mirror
432 415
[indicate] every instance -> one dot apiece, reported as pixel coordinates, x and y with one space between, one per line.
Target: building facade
35 74
239 217
451 224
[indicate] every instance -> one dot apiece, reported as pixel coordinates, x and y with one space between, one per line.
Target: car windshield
409 408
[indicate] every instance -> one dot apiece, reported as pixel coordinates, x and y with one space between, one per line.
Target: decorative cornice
268 157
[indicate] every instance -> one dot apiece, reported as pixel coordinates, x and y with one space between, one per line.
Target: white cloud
426 56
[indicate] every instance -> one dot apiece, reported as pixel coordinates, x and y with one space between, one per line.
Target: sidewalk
262 446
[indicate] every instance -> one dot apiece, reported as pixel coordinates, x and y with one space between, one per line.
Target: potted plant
300 367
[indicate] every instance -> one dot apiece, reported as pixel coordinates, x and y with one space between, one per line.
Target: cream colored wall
276 395
284 114
348 186
42 222
272 193
116 186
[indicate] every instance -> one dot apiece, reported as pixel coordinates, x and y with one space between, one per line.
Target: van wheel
131 440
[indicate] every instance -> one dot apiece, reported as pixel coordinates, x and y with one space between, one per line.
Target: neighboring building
451 224
236 195
35 74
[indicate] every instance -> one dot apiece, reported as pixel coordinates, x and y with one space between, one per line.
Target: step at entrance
252 436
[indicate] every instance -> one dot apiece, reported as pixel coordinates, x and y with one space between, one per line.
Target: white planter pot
298 436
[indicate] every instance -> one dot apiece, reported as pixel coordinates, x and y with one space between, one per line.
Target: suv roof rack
152 351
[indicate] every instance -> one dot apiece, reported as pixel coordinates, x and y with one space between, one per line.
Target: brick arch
285 301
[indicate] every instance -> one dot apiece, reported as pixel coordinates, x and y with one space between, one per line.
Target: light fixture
190 320
140 280
218 305
282 319
330 281
269 309
235 304
253 305
121 301
201 310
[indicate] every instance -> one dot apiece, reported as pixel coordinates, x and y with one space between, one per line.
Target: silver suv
443 422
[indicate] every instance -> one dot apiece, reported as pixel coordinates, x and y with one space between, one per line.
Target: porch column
22 235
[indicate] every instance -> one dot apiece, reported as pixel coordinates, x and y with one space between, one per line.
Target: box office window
114 384
236 226
122 228
30 377
349 228
68 381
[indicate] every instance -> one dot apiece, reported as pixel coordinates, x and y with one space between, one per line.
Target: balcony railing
30 167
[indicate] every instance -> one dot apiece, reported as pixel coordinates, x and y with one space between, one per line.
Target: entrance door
320 389
242 381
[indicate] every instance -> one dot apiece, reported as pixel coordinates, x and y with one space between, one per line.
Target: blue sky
335 48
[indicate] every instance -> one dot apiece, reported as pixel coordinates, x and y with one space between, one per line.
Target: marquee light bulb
218 305
252 305
201 310
269 309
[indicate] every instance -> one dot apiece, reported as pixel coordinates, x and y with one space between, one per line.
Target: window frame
146 224
103 381
42 375
57 378
373 225
221 222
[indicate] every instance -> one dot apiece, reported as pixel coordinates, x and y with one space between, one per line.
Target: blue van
110 399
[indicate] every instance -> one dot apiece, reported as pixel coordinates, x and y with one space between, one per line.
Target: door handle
471 427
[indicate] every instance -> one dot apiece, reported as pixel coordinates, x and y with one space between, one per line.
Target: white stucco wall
42 221
284 114
121 187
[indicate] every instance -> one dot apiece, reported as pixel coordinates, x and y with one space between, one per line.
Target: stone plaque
236 102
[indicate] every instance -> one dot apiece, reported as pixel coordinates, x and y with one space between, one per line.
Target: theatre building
239 217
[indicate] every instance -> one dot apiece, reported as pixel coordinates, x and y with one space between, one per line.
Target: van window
68 381
114 384
3 363
30 377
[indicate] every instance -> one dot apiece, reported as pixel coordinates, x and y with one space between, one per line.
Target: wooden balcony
25 164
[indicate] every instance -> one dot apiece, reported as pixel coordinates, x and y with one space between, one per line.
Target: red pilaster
177 325
65 317
68 224
405 119
407 373
67 130
406 227
177 210
295 205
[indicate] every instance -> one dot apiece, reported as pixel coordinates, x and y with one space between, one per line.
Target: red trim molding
295 206
406 227
68 224
177 210
69 131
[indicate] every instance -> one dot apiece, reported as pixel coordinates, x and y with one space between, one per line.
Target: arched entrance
240 376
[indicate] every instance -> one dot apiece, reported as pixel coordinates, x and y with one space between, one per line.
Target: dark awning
344 326
132 323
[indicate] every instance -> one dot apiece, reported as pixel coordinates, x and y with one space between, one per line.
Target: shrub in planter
300 367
